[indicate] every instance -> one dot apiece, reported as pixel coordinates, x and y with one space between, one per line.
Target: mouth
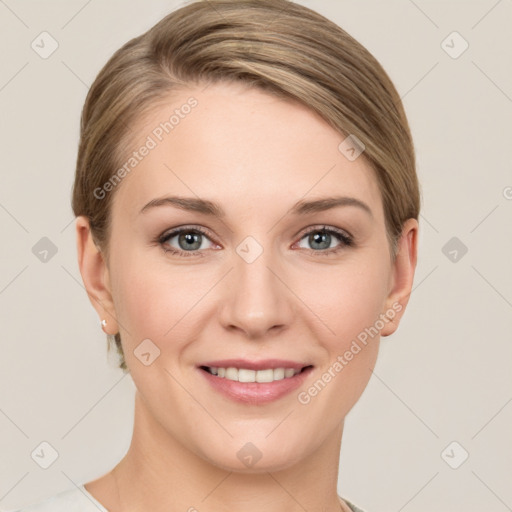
254 383
265 375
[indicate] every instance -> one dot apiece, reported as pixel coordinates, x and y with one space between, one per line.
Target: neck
158 473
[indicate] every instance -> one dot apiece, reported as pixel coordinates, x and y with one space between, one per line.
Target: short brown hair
279 46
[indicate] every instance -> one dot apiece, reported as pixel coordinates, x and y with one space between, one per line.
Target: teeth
245 375
231 373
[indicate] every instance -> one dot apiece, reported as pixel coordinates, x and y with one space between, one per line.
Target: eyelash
347 240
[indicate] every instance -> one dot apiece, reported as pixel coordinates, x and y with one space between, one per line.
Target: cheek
347 298
349 303
158 302
138 296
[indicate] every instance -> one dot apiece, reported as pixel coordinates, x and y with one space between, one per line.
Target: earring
103 322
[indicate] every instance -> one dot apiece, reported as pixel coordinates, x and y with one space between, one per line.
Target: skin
256 156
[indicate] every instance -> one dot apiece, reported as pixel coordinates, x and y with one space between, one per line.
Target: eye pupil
317 238
191 239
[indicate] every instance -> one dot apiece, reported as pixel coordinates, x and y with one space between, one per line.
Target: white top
72 500
80 500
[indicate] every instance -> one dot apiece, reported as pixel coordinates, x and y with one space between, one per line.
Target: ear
402 277
95 275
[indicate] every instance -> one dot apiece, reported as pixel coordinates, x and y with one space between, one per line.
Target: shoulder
71 500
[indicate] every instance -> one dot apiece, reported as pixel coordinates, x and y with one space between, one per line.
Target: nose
256 298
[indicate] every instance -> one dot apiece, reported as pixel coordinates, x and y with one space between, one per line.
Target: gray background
444 376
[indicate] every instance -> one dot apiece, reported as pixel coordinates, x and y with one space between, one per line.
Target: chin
253 457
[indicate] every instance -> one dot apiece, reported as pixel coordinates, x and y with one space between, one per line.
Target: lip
264 364
256 392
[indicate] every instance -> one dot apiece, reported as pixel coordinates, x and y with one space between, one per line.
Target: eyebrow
302 207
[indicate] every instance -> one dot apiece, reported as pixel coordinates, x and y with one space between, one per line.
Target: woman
247 220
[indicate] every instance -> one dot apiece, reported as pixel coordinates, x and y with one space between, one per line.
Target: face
253 274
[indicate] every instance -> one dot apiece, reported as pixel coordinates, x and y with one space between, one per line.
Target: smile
251 386
247 375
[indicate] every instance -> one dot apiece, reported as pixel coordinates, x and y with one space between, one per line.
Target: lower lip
256 392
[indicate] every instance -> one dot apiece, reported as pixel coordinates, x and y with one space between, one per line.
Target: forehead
243 148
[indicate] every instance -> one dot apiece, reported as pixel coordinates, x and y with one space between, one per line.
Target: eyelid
346 239
323 227
304 231
173 232
186 227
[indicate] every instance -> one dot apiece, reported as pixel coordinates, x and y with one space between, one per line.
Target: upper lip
256 365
